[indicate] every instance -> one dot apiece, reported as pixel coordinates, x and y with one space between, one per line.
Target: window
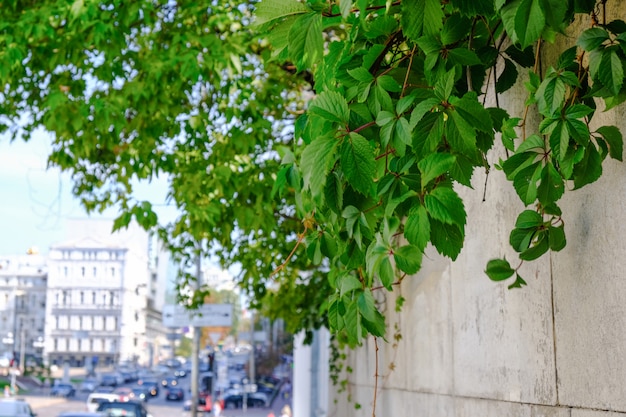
93 297
55 342
80 322
82 271
111 298
65 298
112 271
82 297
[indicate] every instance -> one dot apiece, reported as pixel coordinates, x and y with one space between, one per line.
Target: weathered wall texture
472 348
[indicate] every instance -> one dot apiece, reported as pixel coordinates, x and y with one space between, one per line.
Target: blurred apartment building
96 299
22 303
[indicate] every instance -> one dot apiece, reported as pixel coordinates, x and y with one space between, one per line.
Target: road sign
206 315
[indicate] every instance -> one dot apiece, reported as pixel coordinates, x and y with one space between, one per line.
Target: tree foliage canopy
318 145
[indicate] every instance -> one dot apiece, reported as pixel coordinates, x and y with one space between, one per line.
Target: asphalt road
46 406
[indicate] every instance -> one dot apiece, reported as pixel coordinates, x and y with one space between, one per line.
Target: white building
104 298
22 307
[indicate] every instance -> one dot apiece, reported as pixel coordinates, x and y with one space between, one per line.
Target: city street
45 406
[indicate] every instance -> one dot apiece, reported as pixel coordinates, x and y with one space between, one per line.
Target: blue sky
35 201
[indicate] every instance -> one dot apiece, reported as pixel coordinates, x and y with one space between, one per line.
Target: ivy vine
399 120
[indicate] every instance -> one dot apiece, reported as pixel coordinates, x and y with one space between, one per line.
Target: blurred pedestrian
271 414
286 411
287 389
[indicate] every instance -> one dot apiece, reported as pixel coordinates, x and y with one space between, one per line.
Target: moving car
141 393
124 408
169 381
151 384
175 394
96 398
81 414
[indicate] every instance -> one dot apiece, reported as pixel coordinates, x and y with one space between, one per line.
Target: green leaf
529 22
447 239
538 249
373 320
507 78
592 38
421 109
421 17
122 221
473 7
613 137
357 161
519 282
499 269
352 320
331 106
386 273
525 183
435 165
345 6
306 42
520 238
550 96
388 84
551 187
270 10
317 158
417 227
528 219
611 71
445 205
333 193
589 169
408 258
557 238
384 118
361 74
348 283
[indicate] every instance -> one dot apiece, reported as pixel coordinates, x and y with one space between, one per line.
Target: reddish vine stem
408 70
375 379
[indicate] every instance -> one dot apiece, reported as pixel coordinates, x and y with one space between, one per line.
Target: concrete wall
471 347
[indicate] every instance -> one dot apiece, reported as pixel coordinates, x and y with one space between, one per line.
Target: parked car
124 408
180 372
63 390
96 398
14 407
175 394
88 385
108 380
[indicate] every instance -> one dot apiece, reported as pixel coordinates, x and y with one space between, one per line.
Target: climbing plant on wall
399 122
317 145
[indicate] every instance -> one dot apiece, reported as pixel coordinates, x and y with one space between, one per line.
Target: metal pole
195 350
22 347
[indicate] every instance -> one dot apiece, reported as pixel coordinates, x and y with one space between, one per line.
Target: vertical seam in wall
451 332
554 344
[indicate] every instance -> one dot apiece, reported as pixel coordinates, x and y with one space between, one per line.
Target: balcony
86 309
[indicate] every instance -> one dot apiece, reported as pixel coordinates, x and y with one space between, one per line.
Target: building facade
102 297
23 282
